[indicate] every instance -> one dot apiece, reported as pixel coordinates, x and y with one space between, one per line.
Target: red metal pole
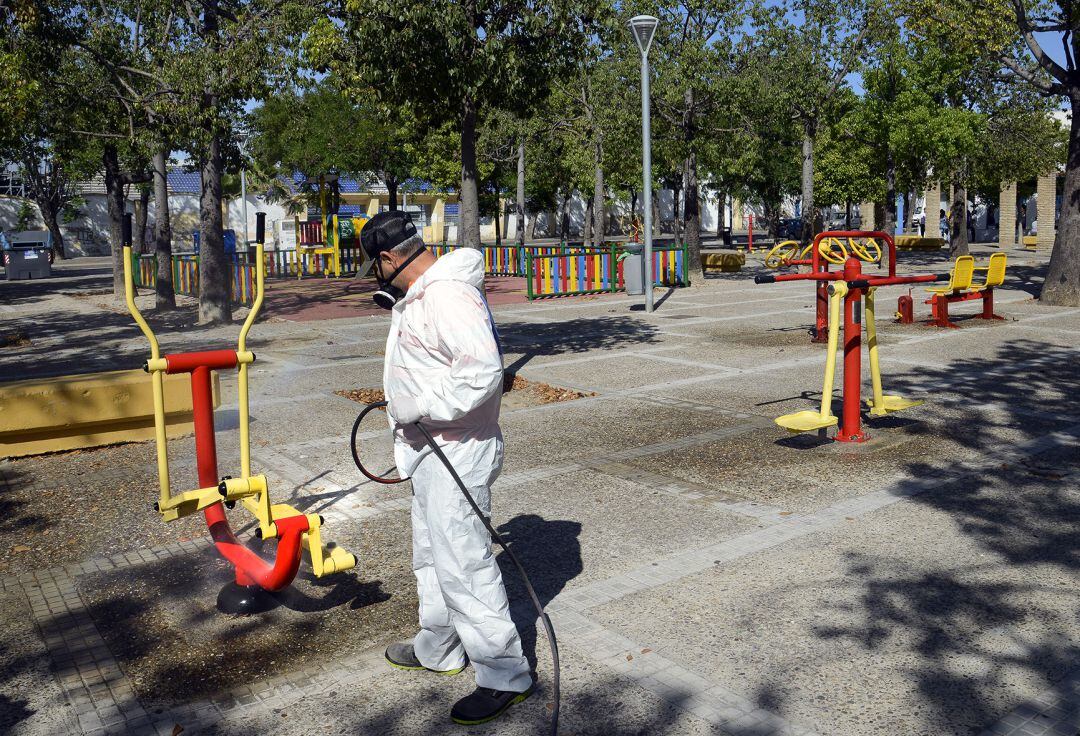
821 321
250 568
851 417
202 410
750 235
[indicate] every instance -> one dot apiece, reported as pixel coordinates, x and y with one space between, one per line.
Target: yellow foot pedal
891 403
805 421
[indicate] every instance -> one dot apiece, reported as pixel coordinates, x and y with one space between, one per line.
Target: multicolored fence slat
185 271
581 270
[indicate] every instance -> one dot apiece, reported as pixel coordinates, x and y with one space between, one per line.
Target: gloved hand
405 410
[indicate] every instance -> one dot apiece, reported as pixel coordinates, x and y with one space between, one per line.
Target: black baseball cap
385 231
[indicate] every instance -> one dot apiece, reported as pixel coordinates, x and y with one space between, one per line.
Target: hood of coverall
461 264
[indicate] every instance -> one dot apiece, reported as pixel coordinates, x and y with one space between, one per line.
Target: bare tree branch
1051 66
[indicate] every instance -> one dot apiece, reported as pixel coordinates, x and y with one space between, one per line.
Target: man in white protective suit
443 368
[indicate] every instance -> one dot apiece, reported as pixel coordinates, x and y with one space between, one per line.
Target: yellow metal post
880 404
837 292
155 366
244 357
810 420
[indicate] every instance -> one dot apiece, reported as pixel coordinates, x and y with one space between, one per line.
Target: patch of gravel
518 392
161 623
67 507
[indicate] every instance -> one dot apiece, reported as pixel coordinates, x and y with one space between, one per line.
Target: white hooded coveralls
442 354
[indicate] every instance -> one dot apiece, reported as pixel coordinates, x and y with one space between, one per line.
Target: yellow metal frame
250 489
880 404
810 420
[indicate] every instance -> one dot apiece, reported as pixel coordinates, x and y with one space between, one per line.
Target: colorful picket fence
185 272
598 271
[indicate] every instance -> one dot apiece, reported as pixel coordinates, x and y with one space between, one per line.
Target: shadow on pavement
577 335
550 552
967 630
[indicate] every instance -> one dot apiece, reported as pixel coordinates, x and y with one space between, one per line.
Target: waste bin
633 260
27 263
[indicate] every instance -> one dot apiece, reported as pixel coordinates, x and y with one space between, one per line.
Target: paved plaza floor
706 571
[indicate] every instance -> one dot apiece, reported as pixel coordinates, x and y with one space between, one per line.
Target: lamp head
644 28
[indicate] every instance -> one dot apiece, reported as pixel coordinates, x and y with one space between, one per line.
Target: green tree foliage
326 130
455 60
1008 37
815 45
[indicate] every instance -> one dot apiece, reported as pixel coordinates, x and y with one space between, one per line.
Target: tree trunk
1062 285
535 224
633 208
656 214
808 181
498 223
721 213
520 204
692 216
909 205
587 225
391 192
564 217
469 219
139 232
52 224
599 218
166 296
958 234
214 304
889 224
676 224
114 194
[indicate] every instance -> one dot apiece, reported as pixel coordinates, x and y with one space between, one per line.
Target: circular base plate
244 599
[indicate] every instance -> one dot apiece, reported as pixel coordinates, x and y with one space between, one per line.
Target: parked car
788 228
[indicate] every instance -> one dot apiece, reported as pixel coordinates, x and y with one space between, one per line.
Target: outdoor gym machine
255 577
826 249
849 287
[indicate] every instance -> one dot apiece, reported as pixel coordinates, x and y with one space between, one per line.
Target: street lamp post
242 144
644 28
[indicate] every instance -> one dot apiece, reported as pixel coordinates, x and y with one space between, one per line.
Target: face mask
388 295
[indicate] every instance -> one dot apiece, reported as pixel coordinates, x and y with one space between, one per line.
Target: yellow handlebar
129 296
155 366
243 358
260 277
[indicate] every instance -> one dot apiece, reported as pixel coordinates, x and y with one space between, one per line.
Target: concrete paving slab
932 616
31 699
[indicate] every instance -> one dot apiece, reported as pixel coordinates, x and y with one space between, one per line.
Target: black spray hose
549 631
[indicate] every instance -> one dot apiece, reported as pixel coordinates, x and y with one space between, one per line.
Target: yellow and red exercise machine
254 577
828 248
849 287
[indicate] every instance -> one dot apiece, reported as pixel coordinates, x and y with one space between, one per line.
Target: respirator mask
388 295
384 232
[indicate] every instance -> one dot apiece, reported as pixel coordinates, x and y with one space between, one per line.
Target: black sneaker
485 705
402 656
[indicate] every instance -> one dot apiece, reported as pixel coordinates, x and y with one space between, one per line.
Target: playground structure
254 577
321 240
828 248
850 287
962 287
